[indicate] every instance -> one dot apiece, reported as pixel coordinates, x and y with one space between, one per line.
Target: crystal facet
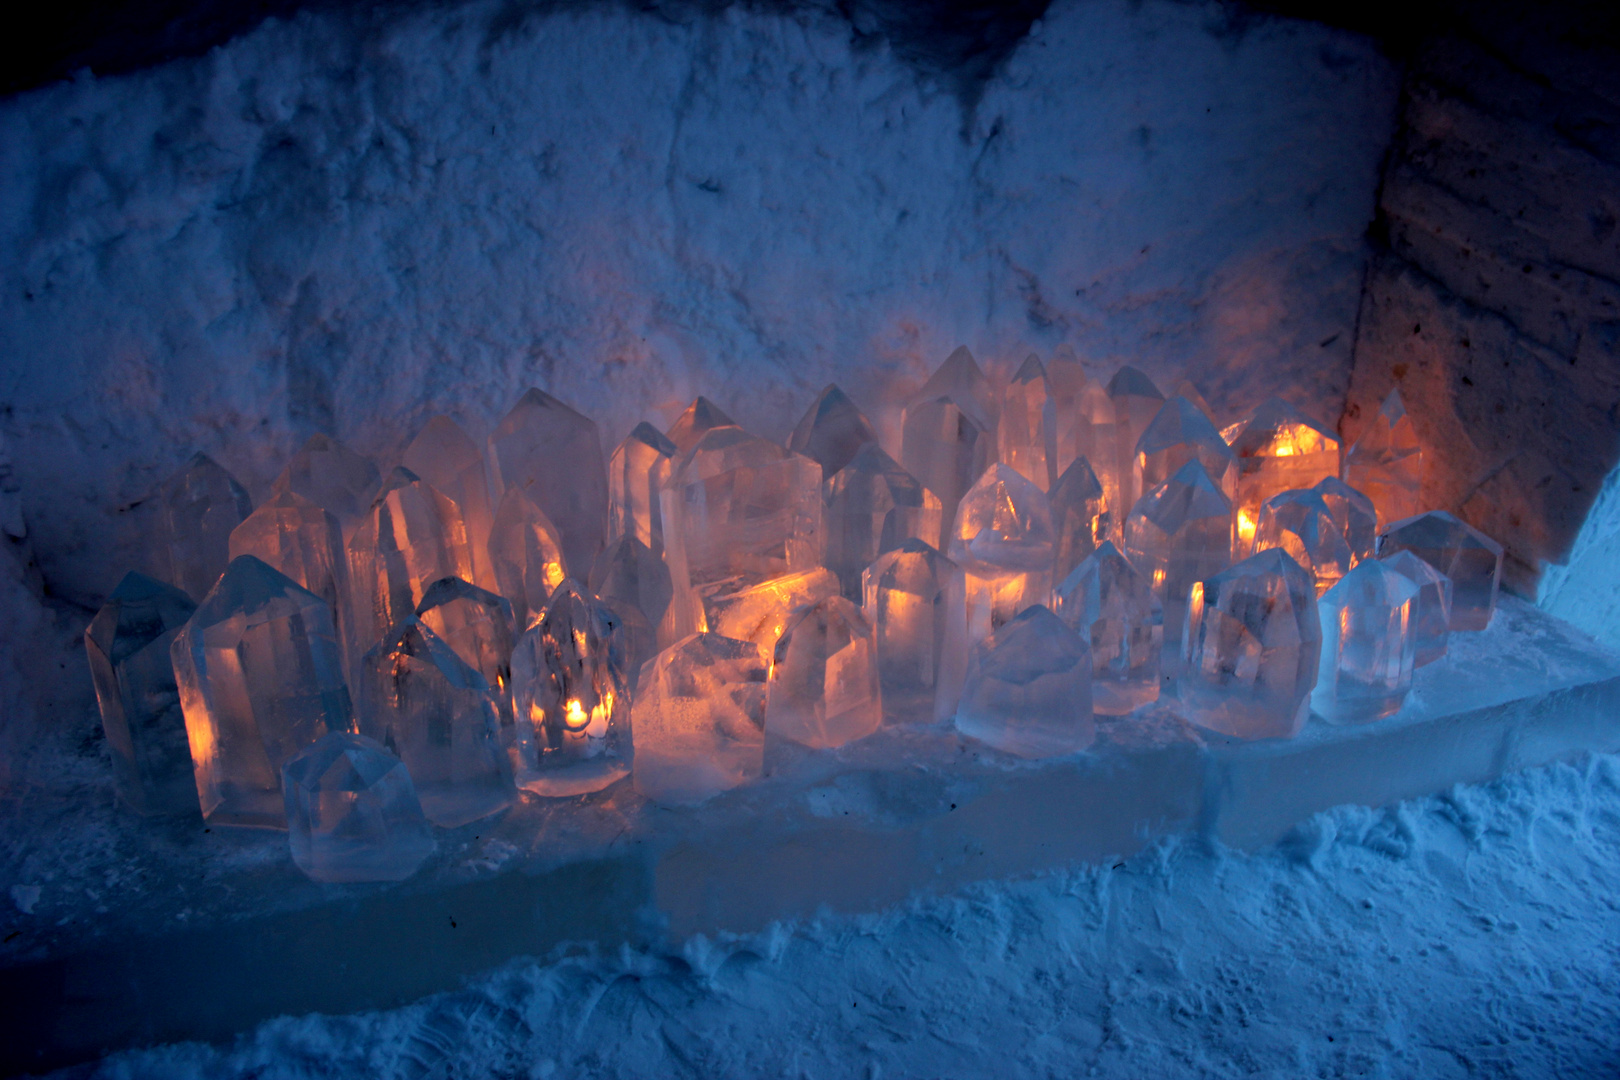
527 557
571 698
630 572
478 625
700 719
637 471
1179 533
913 600
1136 402
335 478
1187 390
1353 513
128 645
1002 540
447 459
760 612
1367 645
1107 602
948 434
1472 560
1026 433
1278 450
260 678
303 541
352 812
832 431
824 689
1301 524
1178 433
1089 431
425 704
1431 608
1080 517
700 418
1028 689
870 506
202 503
1386 462
1251 648
554 456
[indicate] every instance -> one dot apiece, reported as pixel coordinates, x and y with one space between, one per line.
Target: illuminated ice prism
1251 648
832 431
260 677
1472 560
1026 433
629 572
1177 534
478 625
1067 377
1136 402
1353 513
1088 430
761 612
335 478
1178 433
1187 390
1028 689
824 689
425 704
1368 645
1080 517
447 459
571 695
1301 524
870 506
1003 542
913 599
352 813
1110 604
1431 608
202 503
303 541
1278 449
128 644
637 471
1386 462
553 455
700 418
948 434
526 555
700 720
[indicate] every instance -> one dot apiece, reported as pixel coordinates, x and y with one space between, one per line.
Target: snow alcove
566 488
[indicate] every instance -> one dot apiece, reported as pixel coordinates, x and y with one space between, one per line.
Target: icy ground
1471 935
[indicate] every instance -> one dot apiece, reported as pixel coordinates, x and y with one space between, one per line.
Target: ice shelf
162 931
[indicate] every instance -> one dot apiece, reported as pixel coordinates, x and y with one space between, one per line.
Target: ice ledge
901 813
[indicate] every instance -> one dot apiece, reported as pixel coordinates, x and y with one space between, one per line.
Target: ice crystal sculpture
128 645
1189 392
1028 688
571 696
1472 560
1026 433
629 572
1136 402
1278 450
1067 378
1368 645
870 506
1110 604
1179 533
1431 608
1089 431
700 418
1353 513
526 555
202 503
447 459
1080 516
439 715
761 612
1003 542
1251 648
1300 523
913 600
335 478
1386 462
352 813
824 689
832 431
699 720
302 541
949 431
259 671
554 456
1178 433
478 625
637 471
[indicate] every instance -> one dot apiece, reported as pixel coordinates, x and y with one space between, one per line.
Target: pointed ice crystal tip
1128 381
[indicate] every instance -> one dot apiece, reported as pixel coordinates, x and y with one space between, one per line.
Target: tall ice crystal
700 418
1278 449
1003 542
1089 431
1067 378
1301 524
554 456
1110 604
1251 650
1136 402
870 506
302 541
1386 462
1179 533
1472 560
1368 645
128 644
202 503
832 431
352 812
637 471
948 434
1026 434
426 705
526 555
700 720
824 689
260 678
913 601
1431 608
1353 513
1028 689
478 625
335 478
1080 516
447 459
630 572
1178 433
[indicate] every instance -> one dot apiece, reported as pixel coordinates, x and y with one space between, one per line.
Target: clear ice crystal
1187 390
761 612
1136 402
128 644
1110 604
1178 433
913 599
1003 542
1251 648
824 690
1278 449
1089 431
303 541
1353 513
948 434
425 704
571 696
478 625
1431 608
870 506
1368 645
554 456
1386 462
832 431
352 812
1067 377
629 572
1472 560
260 677
1028 689
700 418
447 459
1080 517
1177 534
1301 524
526 554
1026 433
202 503
335 478
637 471
700 720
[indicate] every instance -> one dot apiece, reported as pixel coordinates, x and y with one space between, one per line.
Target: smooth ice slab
526 554
1028 689
1278 449
1080 516
1026 434
1002 540
447 459
1431 609
553 455
1386 463
1300 523
352 812
335 478
637 471
870 506
1111 604
1472 560
700 720
1368 645
914 602
202 503
832 431
824 689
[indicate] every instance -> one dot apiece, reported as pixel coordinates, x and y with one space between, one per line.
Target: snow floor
1474 934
